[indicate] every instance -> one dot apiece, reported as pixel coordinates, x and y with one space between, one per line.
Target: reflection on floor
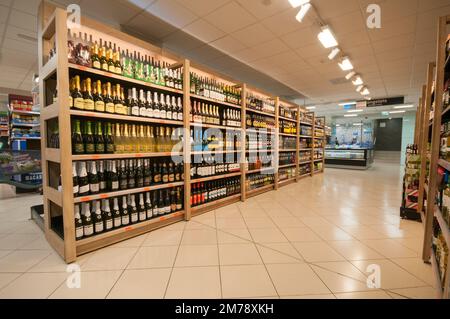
313 239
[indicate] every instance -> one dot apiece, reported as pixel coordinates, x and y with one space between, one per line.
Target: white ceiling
262 34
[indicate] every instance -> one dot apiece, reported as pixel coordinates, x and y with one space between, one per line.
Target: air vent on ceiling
338 81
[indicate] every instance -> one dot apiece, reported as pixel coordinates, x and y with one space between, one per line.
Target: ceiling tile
395 54
402 26
221 18
4 11
263 9
331 9
347 23
204 31
22 46
271 47
142 4
396 42
425 5
6 3
15 33
313 51
354 39
392 9
253 35
228 45
301 38
181 42
16 58
248 55
119 13
284 22
150 26
172 12
203 7
206 53
27 6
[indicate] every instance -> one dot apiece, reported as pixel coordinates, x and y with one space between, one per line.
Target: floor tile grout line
218 255
174 261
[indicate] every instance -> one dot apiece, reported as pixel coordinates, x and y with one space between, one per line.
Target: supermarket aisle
313 239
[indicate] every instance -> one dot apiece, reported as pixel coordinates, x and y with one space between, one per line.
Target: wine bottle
109 102
156 106
131 175
165 174
134 105
142 104
94 185
118 142
98 218
76 188
174 109
168 108
77 96
147 173
149 105
79 233
101 176
134 218
123 178
118 106
156 207
77 139
125 213
126 140
118 65
99 103
95 59
89 104
139 177
113 177
98 139
117 216
109 139
83 180
180 109
173 201
157 178
107 215
179 200
88 225
141 209
166 202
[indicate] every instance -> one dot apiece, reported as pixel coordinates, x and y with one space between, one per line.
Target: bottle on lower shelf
207 192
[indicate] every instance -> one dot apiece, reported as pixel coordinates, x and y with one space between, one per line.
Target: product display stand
251 110
433 215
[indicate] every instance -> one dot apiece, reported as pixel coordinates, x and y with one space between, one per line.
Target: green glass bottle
77 139
88 138
109 139
99 140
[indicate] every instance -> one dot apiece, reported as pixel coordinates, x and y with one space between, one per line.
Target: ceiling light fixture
310 107
365 91
350 75
347 103
357 124
298 3
338 125
355 111
303 11
359 88
350 115
334 53
327 38
345 64
358 81
397 112
404 107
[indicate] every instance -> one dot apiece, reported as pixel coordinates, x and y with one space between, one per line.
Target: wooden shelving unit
432 95
60 204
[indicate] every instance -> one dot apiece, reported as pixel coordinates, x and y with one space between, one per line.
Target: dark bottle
165 174
77 138
166 202
113 178
134 218
139 177
156 207
173 201
83 180
94 184
76 188
98 218
88 139
178 173
78 223
131 175
157 173
147 173
125 212
88 225
101 177
142 211
123 176
179 200
171 173
148 206
107 215
98 139
109 140
117 216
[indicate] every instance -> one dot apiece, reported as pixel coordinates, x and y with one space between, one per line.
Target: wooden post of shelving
187 139
436 137
324 139
417 125
420 114
243 141
297 146
276 149
424 142
313 143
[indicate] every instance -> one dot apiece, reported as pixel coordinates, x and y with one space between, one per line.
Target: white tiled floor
313 239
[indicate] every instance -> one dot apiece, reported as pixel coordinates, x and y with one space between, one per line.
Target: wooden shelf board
93 243
305 162
305 136
126 192
318 160
89 157
260 170
287 165
287 181
118 117
305 149
306 123
304 175
287 119
260 131
288 150
259 112
260 190
287 134
198 97
197 210
25 124
53 155
215 152
25 112
216 126
443 225
49 68
215 177
123 78
25 138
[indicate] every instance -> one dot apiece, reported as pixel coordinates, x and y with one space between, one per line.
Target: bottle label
143 111
171 178
110 148
150 112
102 185
115 185
157 178
125 219
99 227
100 106
149 213
70 102
109 107
78 103
162 114
88 230
169 115
79 232
76 189
180 116
117 222
100 148
179 206
90 148
84 189
112 69
118 148
135 111
165 179
96 64
95 188
134 217
156 114
118 108
142 216
109 224
89 105
105 66
118 70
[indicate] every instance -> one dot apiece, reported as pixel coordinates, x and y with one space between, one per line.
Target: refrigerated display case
349 158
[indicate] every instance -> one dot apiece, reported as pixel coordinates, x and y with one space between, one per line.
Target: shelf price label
85 199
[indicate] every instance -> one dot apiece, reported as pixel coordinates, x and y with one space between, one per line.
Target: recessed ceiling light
365 91
350 75
303 11
334 53
345 64
298 3
310 107
347 103
350 115
358 81
357 124
326 37
396 112
404 107
355 111
337 125
359 88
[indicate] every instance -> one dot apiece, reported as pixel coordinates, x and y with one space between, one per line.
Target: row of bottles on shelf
256 161
19 119
304 156
286 158
318 155
287 173
318 166
288 113
288 127
204 140
259 121
108 57
207 192
255 181
259 142
319 122
213 165
412 149
306 117
96 177
261 104
305 169
211 114
319 133
288 142
441 251
306 130
306 143
110 98
97 217
97 138
214 89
